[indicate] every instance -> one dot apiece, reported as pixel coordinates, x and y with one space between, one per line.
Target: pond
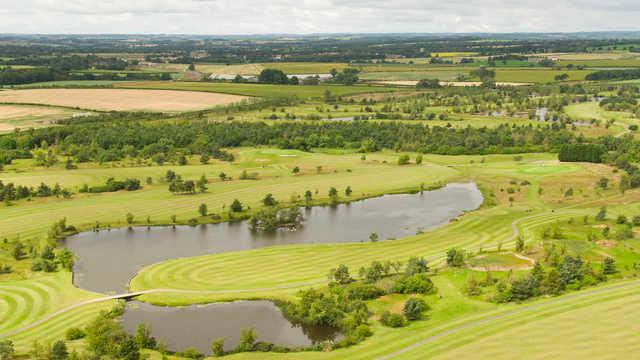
107 260
197 326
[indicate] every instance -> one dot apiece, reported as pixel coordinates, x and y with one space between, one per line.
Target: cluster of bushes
10 192
179 186
570 273
112 185
271 219
48 261
332 309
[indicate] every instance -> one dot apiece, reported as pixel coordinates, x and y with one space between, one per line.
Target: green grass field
526 75
444 75
260 90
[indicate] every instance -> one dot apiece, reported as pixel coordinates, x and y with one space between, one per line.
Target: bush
414 284
74 333
392 320
414 308
363 291
362 332
190 353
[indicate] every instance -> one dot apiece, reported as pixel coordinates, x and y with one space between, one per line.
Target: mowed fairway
24 302
119 99
598 324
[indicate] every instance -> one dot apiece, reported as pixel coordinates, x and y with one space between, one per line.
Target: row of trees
10 192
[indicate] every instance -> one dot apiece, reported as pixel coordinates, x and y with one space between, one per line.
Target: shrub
217 347
392 320
74 333
414 308
363 291
414 284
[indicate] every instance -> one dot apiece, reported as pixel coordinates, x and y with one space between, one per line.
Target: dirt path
505 314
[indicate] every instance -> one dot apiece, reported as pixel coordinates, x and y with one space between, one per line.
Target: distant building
322 77
230 77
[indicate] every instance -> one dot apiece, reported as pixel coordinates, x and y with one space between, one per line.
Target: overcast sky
315 16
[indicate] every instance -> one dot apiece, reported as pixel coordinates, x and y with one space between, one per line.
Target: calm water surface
107 260
196 326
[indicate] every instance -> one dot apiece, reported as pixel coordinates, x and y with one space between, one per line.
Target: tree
416 265
222 176
170 175
143 337
392 320
373 237
625 184
129 219
348 191
202 184
419 159
273 76
428 84
18 251
455 258
58 351
128 349
236 206
603 183
403 159
247 340
202 209
174 219
217 347
269 200
341 275
413 308
192 67
602 214
308 197
204 159
6 350
519 244
609 266
333 193
296 170
66 259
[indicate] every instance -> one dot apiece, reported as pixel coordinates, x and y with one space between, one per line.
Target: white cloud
314 16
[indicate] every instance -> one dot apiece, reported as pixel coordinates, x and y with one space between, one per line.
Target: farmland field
26 116
120 99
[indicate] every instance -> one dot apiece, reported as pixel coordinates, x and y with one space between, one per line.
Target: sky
223 17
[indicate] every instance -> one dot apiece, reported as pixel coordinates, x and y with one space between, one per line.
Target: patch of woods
113 185
163 141
625 74
43 258
343 304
